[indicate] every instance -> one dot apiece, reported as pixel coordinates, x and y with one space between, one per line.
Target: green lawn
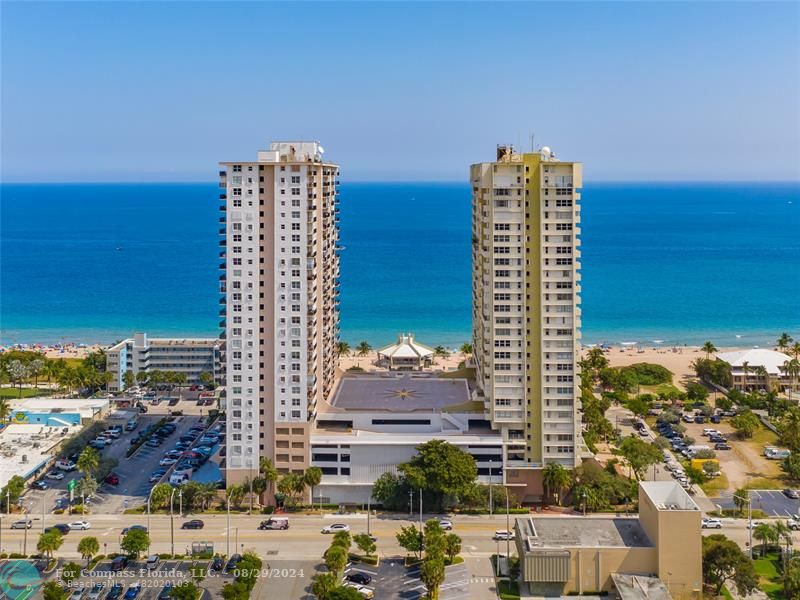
7 392
767 569
508 590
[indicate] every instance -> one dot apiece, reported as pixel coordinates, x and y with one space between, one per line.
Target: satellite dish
321 149
546 150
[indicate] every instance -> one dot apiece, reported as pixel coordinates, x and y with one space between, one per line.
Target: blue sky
153 91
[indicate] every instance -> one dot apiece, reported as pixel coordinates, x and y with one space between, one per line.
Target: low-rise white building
191 356
376 421
758 368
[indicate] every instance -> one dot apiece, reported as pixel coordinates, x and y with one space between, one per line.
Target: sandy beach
57 350
368 362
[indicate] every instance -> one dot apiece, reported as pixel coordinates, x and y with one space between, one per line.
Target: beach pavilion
405 355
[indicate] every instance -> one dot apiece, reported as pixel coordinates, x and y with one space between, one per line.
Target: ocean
677 263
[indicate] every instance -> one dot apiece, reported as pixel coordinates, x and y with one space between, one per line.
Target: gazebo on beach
405 355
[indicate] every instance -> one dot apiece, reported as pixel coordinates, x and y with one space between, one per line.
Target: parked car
152 562
335 528
166 462
24 524
40 485
55 475
503 534
193 524
217 563
115 591
153 442
81 525
445 524
793 524
133 591
721 446
119 563
157 475
65 465
166 591
77 593
793 494
96 591
232 562
359 577
711 524
112 479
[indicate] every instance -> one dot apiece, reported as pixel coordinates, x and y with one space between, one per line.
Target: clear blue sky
155 91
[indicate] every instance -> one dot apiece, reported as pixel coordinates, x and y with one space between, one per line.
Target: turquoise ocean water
679 263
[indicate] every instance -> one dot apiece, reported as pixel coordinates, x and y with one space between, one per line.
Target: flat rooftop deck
400 393
589 532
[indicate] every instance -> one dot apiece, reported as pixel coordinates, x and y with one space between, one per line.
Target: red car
112 479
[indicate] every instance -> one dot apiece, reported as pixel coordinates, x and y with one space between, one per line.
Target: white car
364 591
77 594
167 461
445 524
55 475
753 525
65 465
711 524
793 524
80 525
503 534
335 528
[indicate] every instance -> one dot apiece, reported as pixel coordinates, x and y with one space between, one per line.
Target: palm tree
259 487
783 533
206 493
784 341
740 498
466 348
311 478
36 367
5 410
795 349
49 542
18 372
709 349
363 348
88 547
441 351
268 471
88 461
764 532
762 374
792 370
745 373
555 478
343 348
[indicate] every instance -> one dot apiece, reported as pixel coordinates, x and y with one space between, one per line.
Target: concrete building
526 315
375 421
657 555
191 356
405 355
280 272
759 369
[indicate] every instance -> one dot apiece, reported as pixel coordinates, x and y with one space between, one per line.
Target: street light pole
369 499
149 496
180 503
750 522
491 503
410 503
25 534
420 512
228 529
172 522
44 503
583 495
508 528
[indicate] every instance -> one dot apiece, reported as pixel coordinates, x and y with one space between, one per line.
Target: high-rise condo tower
280 271
526 315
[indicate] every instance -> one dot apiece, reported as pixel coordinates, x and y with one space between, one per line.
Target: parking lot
152 581
393 580
773 502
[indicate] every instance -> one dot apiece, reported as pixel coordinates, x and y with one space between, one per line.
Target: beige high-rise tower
280 284
526 315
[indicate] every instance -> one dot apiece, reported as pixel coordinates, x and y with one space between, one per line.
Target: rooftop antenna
533 136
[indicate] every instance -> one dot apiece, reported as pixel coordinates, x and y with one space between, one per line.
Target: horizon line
426 181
